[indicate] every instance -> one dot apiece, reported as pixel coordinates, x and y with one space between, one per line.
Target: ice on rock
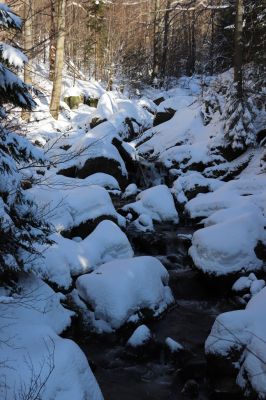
118 290
140 336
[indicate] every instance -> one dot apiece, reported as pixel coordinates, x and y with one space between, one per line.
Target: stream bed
156 375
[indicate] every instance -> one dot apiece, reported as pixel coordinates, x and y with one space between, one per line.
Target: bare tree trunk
192 44
52 40
59 59
28 45
165 38
156 23
238 43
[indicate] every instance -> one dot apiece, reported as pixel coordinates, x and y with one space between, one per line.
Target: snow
118 290
191 181
66 258
72 91
131 190
143 223
67 208
31 349
55 181
140 336
156 202
173 345
226 247
243 330
235 223
12 55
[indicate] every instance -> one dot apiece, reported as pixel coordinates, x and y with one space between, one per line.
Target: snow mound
131 190
228 246
118 291
72 91
234 225
107 242
68 208
140 336
66 258
157 202
34 356
173 345
186 186
244 331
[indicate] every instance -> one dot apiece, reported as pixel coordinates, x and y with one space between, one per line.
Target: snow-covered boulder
140 337
173 346
240 338
33 356
76 210
157 202
120 290
73 97
188 186
246 287
66 258
95 153
131 190
107 242
228 247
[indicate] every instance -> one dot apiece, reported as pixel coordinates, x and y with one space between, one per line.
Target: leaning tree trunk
238 44
28 45
59 59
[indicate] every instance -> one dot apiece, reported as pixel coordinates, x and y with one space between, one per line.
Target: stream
155 374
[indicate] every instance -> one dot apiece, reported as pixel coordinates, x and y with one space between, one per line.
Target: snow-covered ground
83 169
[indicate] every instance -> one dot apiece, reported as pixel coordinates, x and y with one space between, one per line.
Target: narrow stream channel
156 375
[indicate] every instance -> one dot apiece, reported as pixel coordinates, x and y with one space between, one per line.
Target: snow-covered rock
141 336
33 356
241 337
188 186
66 258
131 190
157 202
228 247
68 208
173 345
118 290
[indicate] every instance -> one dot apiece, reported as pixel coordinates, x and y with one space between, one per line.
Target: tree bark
52 48
238 44
165 38
28 45
156 23
59 59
